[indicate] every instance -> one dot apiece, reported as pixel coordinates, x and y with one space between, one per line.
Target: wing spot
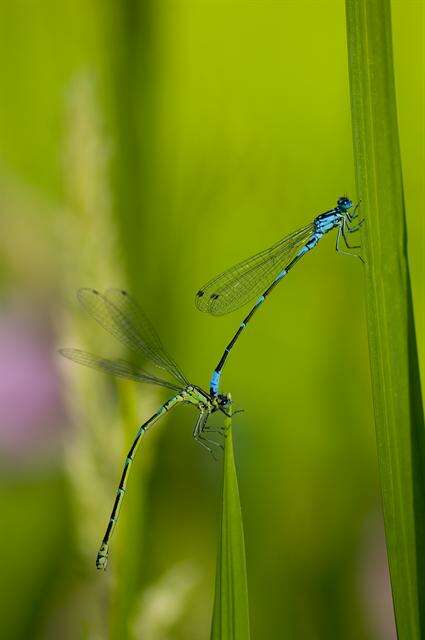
214 296
200 293
96 291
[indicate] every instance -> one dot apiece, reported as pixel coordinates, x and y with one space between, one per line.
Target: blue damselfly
260 273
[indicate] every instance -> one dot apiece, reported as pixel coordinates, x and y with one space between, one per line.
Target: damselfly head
222 401
344 203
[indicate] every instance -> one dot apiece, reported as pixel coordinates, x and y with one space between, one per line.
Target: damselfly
117 312
260 273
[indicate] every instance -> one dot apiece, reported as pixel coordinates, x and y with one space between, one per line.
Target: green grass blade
231 614
393 350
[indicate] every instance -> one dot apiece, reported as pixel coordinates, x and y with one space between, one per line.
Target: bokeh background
150 145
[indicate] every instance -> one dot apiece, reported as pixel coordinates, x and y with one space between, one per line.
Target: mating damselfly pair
118 313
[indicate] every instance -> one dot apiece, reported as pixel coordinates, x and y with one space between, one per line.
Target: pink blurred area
375 580
32 414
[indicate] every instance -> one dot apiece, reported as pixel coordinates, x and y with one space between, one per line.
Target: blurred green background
150 145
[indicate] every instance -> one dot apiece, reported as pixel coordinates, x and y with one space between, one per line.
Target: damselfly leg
341 232
200 438
349 246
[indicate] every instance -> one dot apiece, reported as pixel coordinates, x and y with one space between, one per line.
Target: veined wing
248 279
117 312
119 368
130 312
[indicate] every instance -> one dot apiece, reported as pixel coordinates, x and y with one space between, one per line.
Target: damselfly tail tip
102 557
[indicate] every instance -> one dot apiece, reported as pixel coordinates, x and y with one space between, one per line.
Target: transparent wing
130 313
119 368
117 312
247 279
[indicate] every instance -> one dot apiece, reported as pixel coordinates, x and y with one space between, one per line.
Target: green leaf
392 339
231 613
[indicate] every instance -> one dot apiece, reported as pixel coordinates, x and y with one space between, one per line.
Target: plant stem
392 340
231 613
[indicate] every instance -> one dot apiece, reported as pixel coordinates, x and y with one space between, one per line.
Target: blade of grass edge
230 620
399 420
